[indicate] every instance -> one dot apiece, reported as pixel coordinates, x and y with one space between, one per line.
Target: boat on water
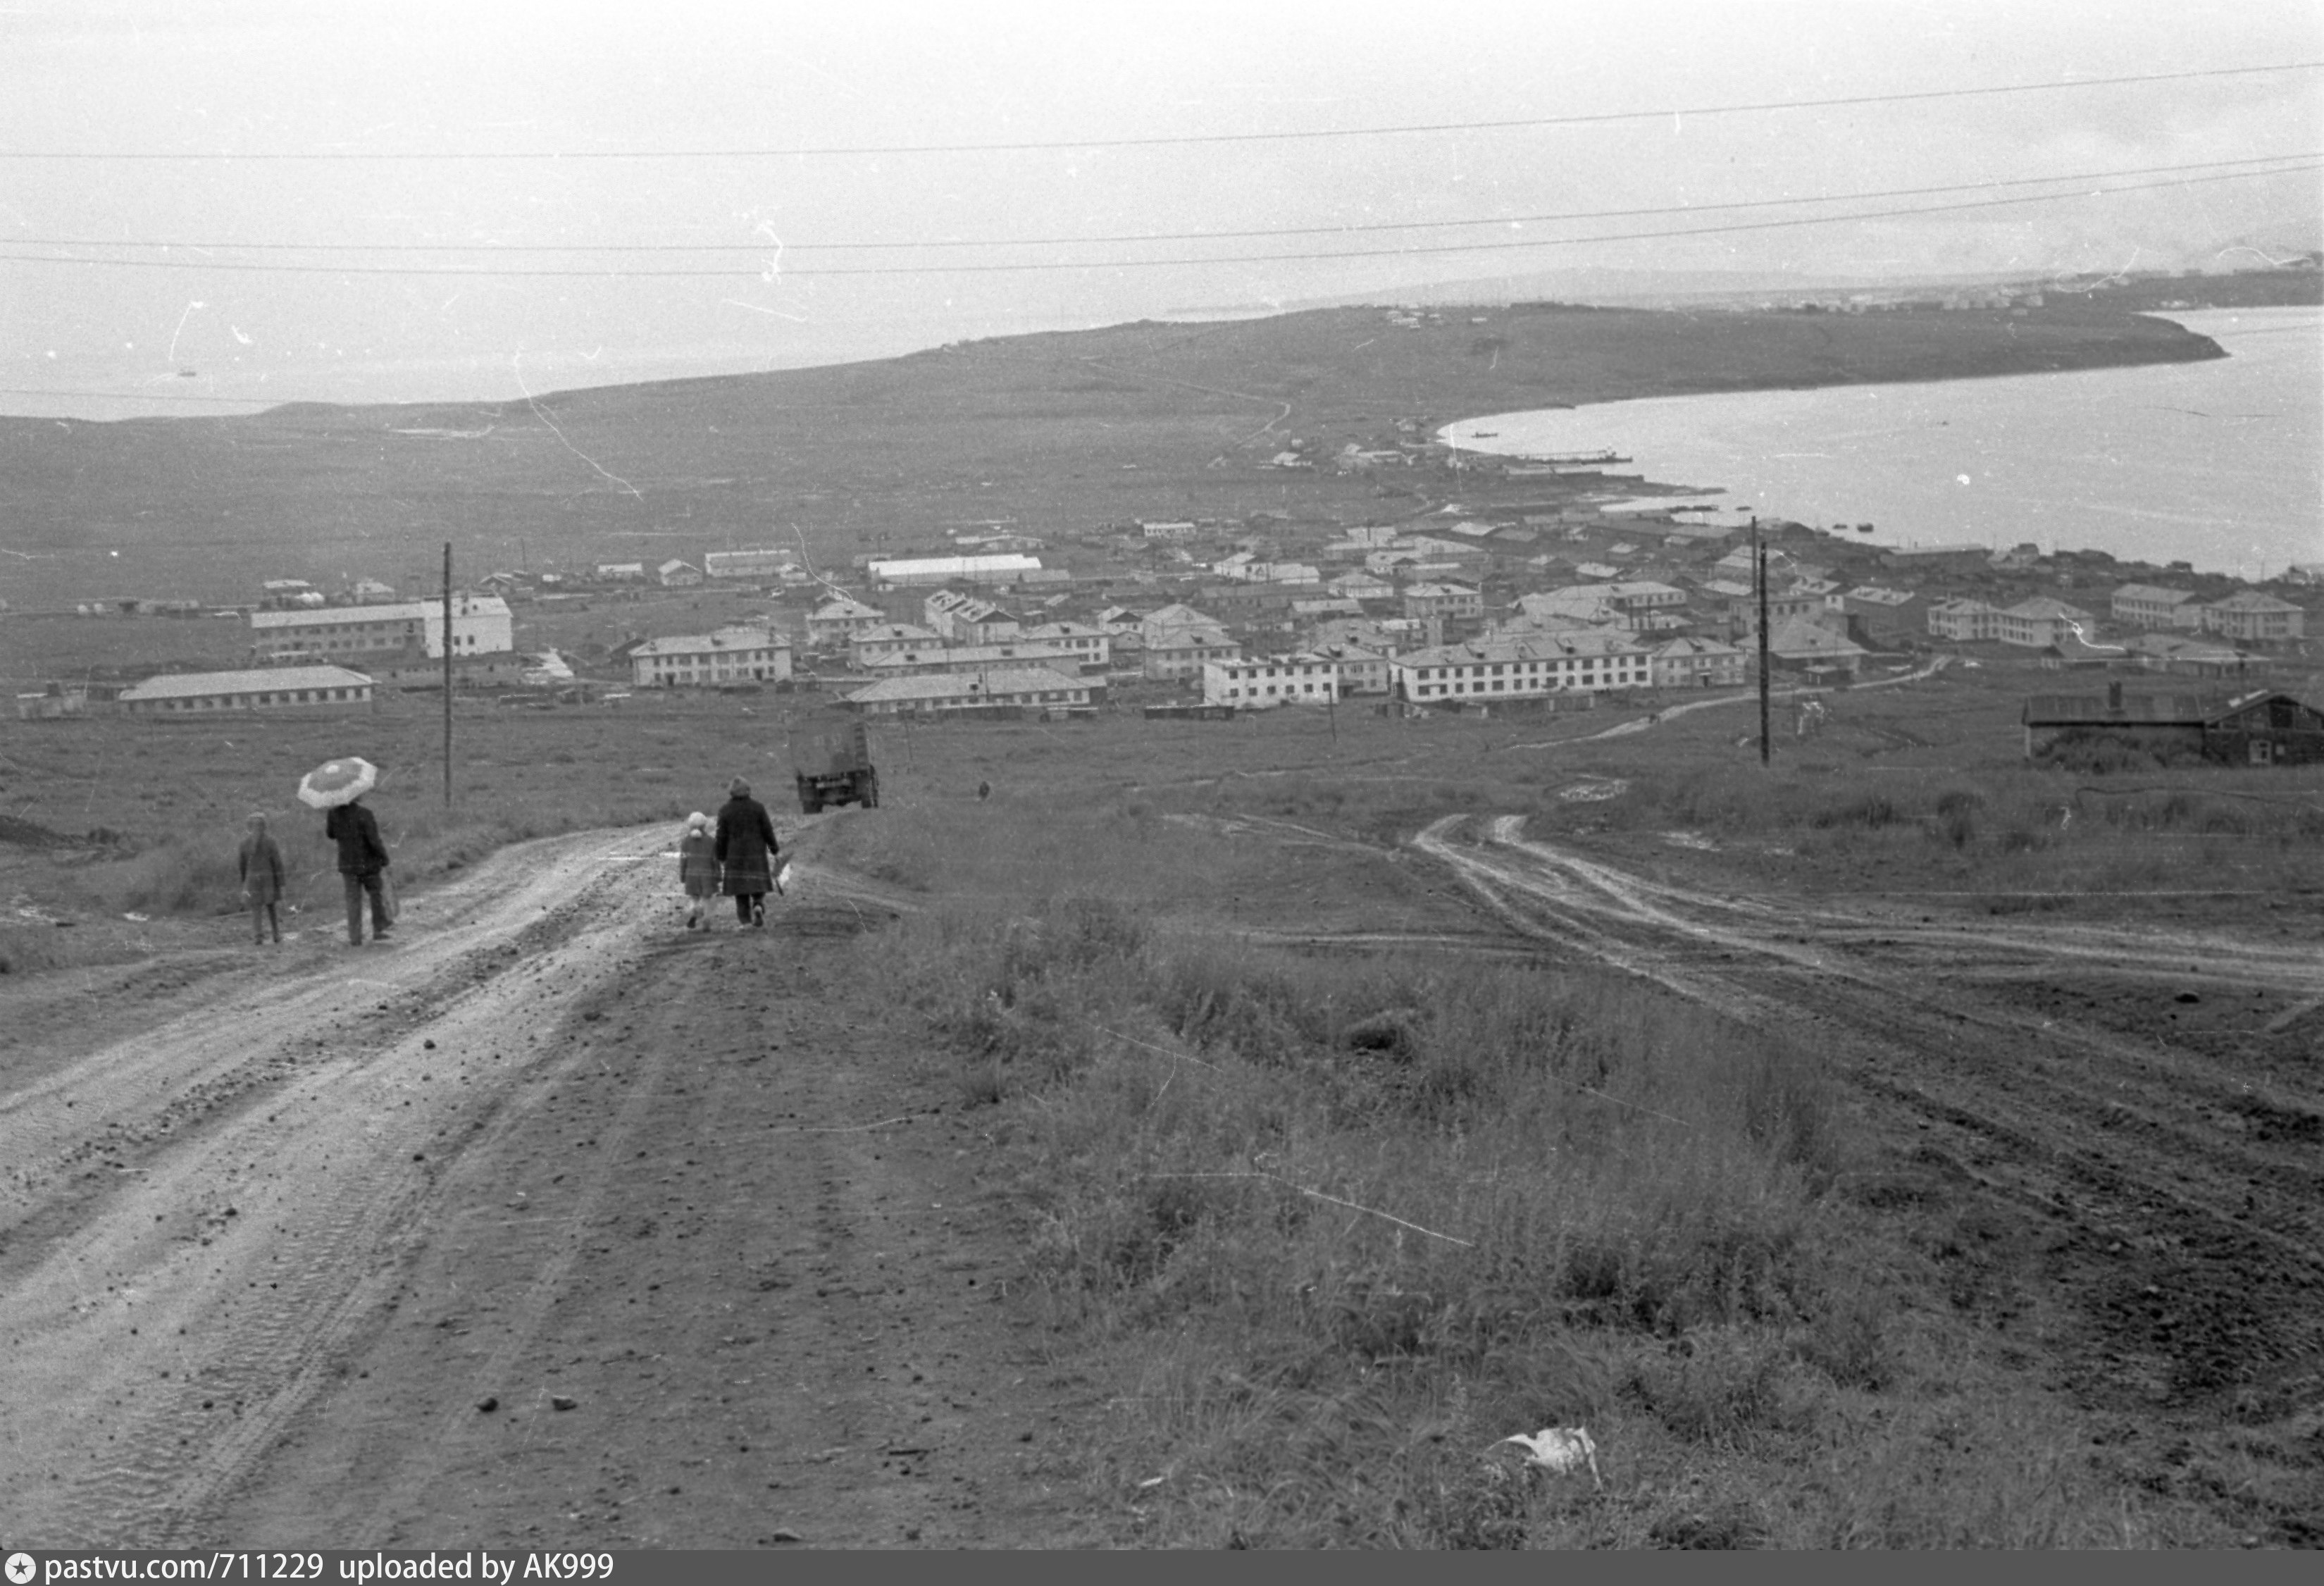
1863 528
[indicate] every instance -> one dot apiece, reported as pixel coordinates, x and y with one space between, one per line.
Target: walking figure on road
363 864
698 867
746 849
338 786
260 865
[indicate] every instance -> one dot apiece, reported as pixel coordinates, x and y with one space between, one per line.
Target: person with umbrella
746 849
337 787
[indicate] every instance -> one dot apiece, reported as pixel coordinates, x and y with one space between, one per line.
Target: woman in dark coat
746 852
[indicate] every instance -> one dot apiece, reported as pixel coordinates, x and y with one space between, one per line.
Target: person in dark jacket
746 849
261 862
362 859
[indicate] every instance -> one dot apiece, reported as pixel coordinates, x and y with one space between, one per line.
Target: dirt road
547 1220
2147 1096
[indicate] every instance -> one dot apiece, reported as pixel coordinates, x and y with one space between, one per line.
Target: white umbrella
336 782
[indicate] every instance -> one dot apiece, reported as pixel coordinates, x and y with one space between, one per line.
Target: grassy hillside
1053 430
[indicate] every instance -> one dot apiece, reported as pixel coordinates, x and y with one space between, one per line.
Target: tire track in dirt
2195 1253
165 1322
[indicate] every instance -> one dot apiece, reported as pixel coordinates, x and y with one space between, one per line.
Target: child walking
698 867
261 880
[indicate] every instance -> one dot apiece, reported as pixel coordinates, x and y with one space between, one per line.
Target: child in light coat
698 867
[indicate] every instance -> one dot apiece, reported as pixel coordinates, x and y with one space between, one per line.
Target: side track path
263 1259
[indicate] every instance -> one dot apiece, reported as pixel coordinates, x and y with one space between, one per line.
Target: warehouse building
312 690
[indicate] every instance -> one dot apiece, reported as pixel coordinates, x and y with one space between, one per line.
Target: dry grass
1331 1227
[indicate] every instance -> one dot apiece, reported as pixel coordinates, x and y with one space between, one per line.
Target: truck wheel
810 806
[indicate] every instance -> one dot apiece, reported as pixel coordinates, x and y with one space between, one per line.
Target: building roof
1504 648
700 643
259 680
971 657
2250 600
1804 637
2042 606
2136 710
399 610
992 680
2154 591
843 610
951 567
1692 646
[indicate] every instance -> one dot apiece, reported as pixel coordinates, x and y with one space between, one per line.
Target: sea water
2219 463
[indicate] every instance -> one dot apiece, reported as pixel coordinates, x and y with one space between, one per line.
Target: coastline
2209 461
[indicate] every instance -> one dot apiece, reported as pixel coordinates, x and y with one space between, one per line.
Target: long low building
969 657
264 689
706 661
481 625
1533 665
1018 688
985 569
1264 681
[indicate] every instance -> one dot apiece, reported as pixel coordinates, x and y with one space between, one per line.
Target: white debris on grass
1594 790
1559 1450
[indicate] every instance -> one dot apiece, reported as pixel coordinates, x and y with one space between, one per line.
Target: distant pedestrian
363 859
746 849
984 791
260 867
698 867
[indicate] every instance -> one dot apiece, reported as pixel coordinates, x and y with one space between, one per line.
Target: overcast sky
687 93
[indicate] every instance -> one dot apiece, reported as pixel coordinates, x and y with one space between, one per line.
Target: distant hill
1056 431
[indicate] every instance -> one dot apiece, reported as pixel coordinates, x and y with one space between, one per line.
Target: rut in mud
547 1219
2182 1192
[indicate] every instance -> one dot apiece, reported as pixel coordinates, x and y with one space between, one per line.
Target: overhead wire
795 244
1585 118
1018 267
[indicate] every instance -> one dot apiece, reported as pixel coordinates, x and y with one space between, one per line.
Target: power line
734 272
791 245
1175 140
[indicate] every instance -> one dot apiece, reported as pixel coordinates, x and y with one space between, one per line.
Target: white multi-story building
2253 618
1092 646
1585 660
1361 671
1443 600
2042 622
2149 605
1260 682
967 619
706 661
481 625
1174 653
1964 621
835 623
868 644
1697 663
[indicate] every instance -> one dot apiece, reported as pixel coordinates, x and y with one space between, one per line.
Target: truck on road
834 766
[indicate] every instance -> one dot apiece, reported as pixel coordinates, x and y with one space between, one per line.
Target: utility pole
1759 572
447 674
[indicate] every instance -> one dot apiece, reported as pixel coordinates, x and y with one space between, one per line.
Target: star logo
21 1568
